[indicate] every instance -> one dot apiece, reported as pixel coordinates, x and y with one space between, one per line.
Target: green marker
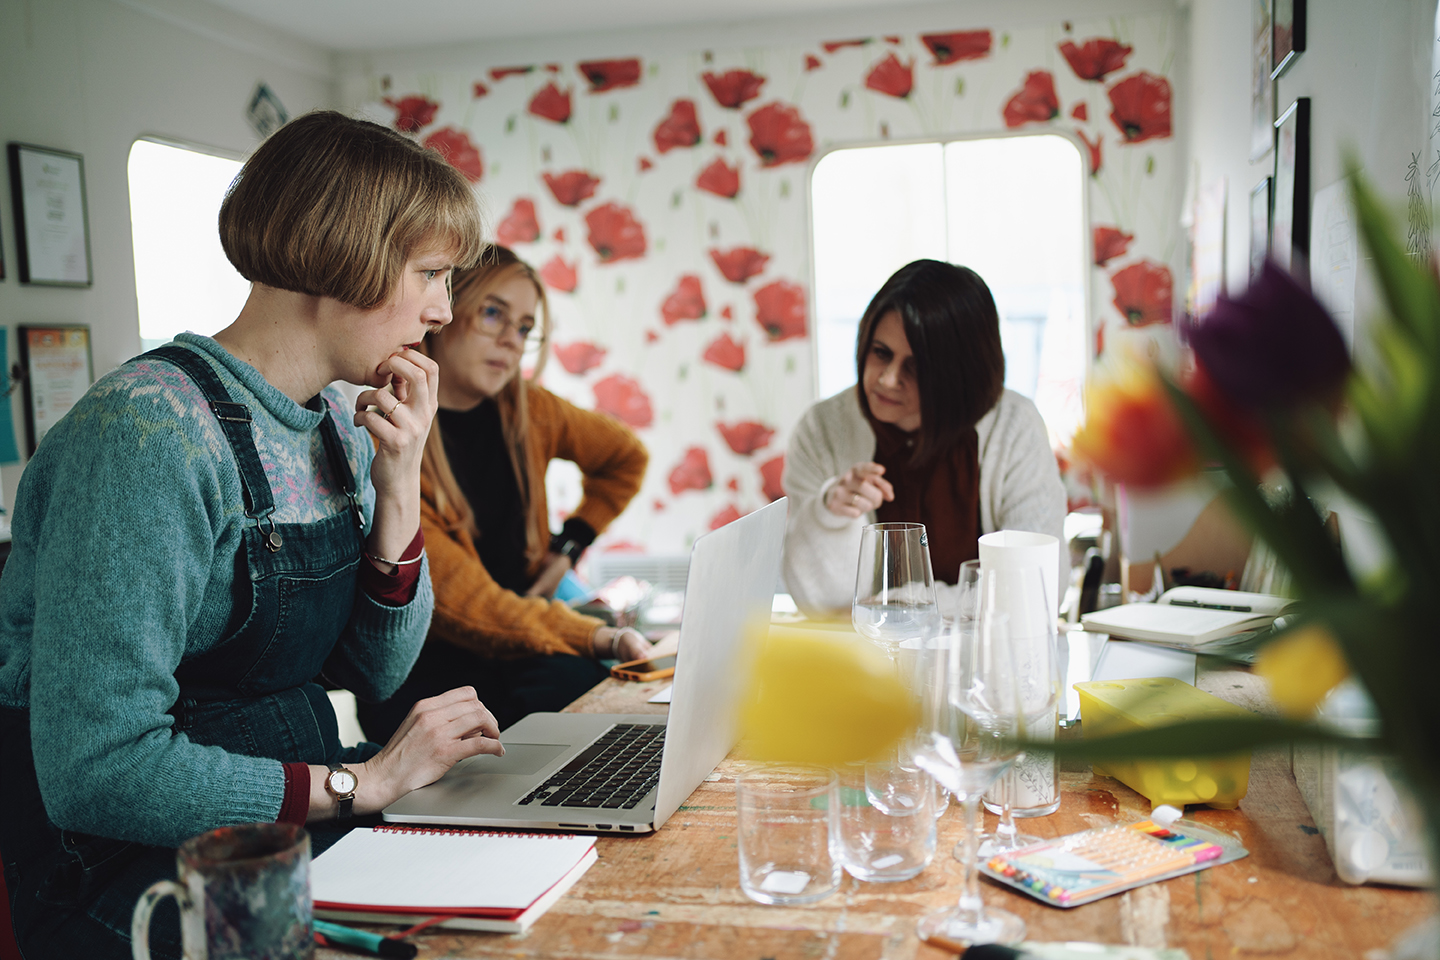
369 942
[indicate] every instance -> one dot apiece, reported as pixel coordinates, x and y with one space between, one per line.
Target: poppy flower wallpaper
662 198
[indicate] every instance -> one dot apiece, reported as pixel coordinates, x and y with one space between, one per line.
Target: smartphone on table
655 668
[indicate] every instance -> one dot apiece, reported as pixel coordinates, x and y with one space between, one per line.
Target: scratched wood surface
675 894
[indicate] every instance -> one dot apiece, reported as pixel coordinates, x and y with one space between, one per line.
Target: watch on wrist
565 547
340 784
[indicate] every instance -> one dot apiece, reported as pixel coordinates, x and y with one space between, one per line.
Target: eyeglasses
493 322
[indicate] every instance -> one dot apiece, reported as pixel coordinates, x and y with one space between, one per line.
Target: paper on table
662 695
1124 660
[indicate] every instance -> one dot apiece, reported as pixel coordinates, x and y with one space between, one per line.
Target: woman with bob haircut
211 527
493 559
928 435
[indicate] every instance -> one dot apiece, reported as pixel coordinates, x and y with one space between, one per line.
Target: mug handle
140 920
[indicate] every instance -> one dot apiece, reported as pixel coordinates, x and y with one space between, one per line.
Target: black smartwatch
566 547
340 784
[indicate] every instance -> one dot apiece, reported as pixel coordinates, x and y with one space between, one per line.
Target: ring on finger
854 499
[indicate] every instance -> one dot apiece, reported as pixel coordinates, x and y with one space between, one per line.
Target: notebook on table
627 773
475 880
1188 616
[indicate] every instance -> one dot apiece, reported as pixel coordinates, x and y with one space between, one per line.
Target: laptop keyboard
615 772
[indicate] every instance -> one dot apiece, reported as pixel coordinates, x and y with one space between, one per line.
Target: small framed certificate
57 372
52 233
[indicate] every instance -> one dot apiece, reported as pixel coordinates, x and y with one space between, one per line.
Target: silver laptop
574 771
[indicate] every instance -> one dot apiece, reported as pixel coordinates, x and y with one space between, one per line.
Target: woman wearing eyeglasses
494 563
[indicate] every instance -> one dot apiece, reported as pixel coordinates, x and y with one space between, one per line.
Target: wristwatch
565 547
340 784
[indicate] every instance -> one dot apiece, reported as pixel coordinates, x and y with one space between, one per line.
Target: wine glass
894 588
967 743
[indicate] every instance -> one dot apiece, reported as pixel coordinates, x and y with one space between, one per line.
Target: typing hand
436 734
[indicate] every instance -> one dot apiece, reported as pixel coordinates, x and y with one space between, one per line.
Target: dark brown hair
954 333
468 297
331 206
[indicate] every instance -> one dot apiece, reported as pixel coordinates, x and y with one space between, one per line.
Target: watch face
342 782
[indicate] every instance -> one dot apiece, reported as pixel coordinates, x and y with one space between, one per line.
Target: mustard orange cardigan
474 612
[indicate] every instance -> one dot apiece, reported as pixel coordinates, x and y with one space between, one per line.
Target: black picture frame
1290 206
57 368
1288 33
1260 200
52 223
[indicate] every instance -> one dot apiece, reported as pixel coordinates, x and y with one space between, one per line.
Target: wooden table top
676 893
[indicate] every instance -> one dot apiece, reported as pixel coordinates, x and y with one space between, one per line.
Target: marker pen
371 943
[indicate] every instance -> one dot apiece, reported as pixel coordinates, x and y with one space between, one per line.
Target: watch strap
345 802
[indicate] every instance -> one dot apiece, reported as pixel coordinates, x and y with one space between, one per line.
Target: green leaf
1197 738
1410 292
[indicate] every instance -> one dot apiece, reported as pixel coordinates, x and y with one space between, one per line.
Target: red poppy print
500 73
812 62
1036 101
692 472
455 146
1081 112
1094 149
726 352
891 77
626 546
611 74
733 88
686 302
553 67
559 234
1100 340
1144 293
680 129
622 398
519 225
720 179
834 45
651 336
644 164
727 312
478 90
780 135
559 275
950 48
615 234
730 514
740 264
745 437
770 473
571 187
1098 57
412 113
780 309
1110 243
1141 107
722 138
579 356
550 103
733 484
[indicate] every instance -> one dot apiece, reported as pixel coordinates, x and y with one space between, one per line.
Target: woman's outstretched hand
859 490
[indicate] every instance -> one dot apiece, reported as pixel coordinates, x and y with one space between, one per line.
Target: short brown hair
332 206
954 333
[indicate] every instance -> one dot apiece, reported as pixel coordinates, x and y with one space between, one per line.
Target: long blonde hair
467 296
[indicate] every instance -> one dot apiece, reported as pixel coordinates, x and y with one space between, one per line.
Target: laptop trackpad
521 759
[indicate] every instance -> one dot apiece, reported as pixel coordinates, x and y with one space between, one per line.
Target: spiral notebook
474 879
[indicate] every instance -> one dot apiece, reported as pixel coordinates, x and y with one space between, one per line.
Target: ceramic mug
243 894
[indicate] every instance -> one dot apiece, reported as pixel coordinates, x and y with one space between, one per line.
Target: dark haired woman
482 487
928 435
211 527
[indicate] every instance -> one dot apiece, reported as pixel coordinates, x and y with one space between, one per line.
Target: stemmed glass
894 587
969 741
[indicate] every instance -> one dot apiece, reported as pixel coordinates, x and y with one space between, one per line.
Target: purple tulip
1273 346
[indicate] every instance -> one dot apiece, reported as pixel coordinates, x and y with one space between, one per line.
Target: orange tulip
1132 432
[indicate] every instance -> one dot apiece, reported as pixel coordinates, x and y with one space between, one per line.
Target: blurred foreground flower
1132 432
821 696
1302 666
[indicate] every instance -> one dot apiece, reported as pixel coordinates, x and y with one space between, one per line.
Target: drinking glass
894 587
967 743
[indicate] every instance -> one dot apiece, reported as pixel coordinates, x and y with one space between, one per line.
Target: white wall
90 76
1365 68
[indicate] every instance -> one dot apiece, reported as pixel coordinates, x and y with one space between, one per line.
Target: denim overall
252 693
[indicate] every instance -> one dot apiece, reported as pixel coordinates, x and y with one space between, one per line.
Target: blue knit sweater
125 531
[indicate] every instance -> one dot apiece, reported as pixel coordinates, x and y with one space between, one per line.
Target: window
183 280
1010 208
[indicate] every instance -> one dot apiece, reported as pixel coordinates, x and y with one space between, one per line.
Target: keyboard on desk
615 772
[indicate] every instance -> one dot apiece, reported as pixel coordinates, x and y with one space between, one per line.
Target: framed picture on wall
57 372
1259 225
52 233
1289 20
1290 219
1262 88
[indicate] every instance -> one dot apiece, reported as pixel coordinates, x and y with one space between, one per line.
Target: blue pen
371 943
